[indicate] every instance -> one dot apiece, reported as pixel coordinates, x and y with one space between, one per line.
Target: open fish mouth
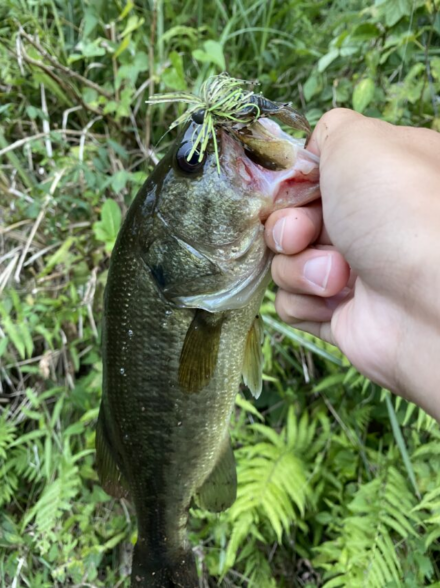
275 165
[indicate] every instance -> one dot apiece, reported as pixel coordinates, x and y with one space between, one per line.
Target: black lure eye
198 116
193 165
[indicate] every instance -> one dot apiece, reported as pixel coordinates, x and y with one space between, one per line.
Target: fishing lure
224 103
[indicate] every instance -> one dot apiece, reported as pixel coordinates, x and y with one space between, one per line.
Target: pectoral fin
109 474
253 358
198 358
219 490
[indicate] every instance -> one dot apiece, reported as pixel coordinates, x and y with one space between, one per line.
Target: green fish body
181 328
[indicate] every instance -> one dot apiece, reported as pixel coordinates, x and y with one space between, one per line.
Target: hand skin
361 268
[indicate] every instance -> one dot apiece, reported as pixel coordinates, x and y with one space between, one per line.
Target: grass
77 141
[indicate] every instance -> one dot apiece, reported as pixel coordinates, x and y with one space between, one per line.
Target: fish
182 328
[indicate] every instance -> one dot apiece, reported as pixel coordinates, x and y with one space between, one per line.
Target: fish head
209 224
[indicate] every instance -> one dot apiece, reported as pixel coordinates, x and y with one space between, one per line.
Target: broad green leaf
90 22
311 87
180 31
133 23
118 149
174 77
123 46
212 53
394 10
127 8
125 102
108 227
14 335
110 107
435 68
365 32
34 112
130 71
59 256
90 96
119 181
88 49
363 94
327 59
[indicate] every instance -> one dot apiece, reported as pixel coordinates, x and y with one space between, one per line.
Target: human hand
361 268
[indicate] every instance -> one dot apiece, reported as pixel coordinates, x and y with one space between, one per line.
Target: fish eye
193 164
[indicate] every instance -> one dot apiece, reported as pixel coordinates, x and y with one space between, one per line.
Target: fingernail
317 270
277 234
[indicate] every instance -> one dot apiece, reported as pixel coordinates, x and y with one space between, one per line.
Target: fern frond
7 436
382 513
273 482
55 499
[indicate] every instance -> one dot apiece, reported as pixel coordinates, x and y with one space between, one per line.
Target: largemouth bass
181 328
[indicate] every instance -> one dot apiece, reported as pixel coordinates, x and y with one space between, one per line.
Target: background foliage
338 482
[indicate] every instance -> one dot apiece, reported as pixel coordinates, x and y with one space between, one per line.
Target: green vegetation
339 483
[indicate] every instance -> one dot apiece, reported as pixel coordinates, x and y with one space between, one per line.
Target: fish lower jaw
289 193
296 186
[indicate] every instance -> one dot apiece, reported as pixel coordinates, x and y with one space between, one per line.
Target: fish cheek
198 358
210 211
178 269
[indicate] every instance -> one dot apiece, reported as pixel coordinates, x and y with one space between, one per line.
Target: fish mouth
274 165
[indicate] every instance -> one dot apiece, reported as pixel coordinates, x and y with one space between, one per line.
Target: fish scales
186 280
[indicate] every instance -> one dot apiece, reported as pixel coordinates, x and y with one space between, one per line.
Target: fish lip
297 185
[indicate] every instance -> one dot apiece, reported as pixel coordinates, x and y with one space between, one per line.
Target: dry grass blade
66 70
37 223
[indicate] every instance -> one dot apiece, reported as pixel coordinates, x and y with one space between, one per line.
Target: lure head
208 236
224 103
198 116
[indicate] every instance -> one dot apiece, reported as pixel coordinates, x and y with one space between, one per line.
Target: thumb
333 123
